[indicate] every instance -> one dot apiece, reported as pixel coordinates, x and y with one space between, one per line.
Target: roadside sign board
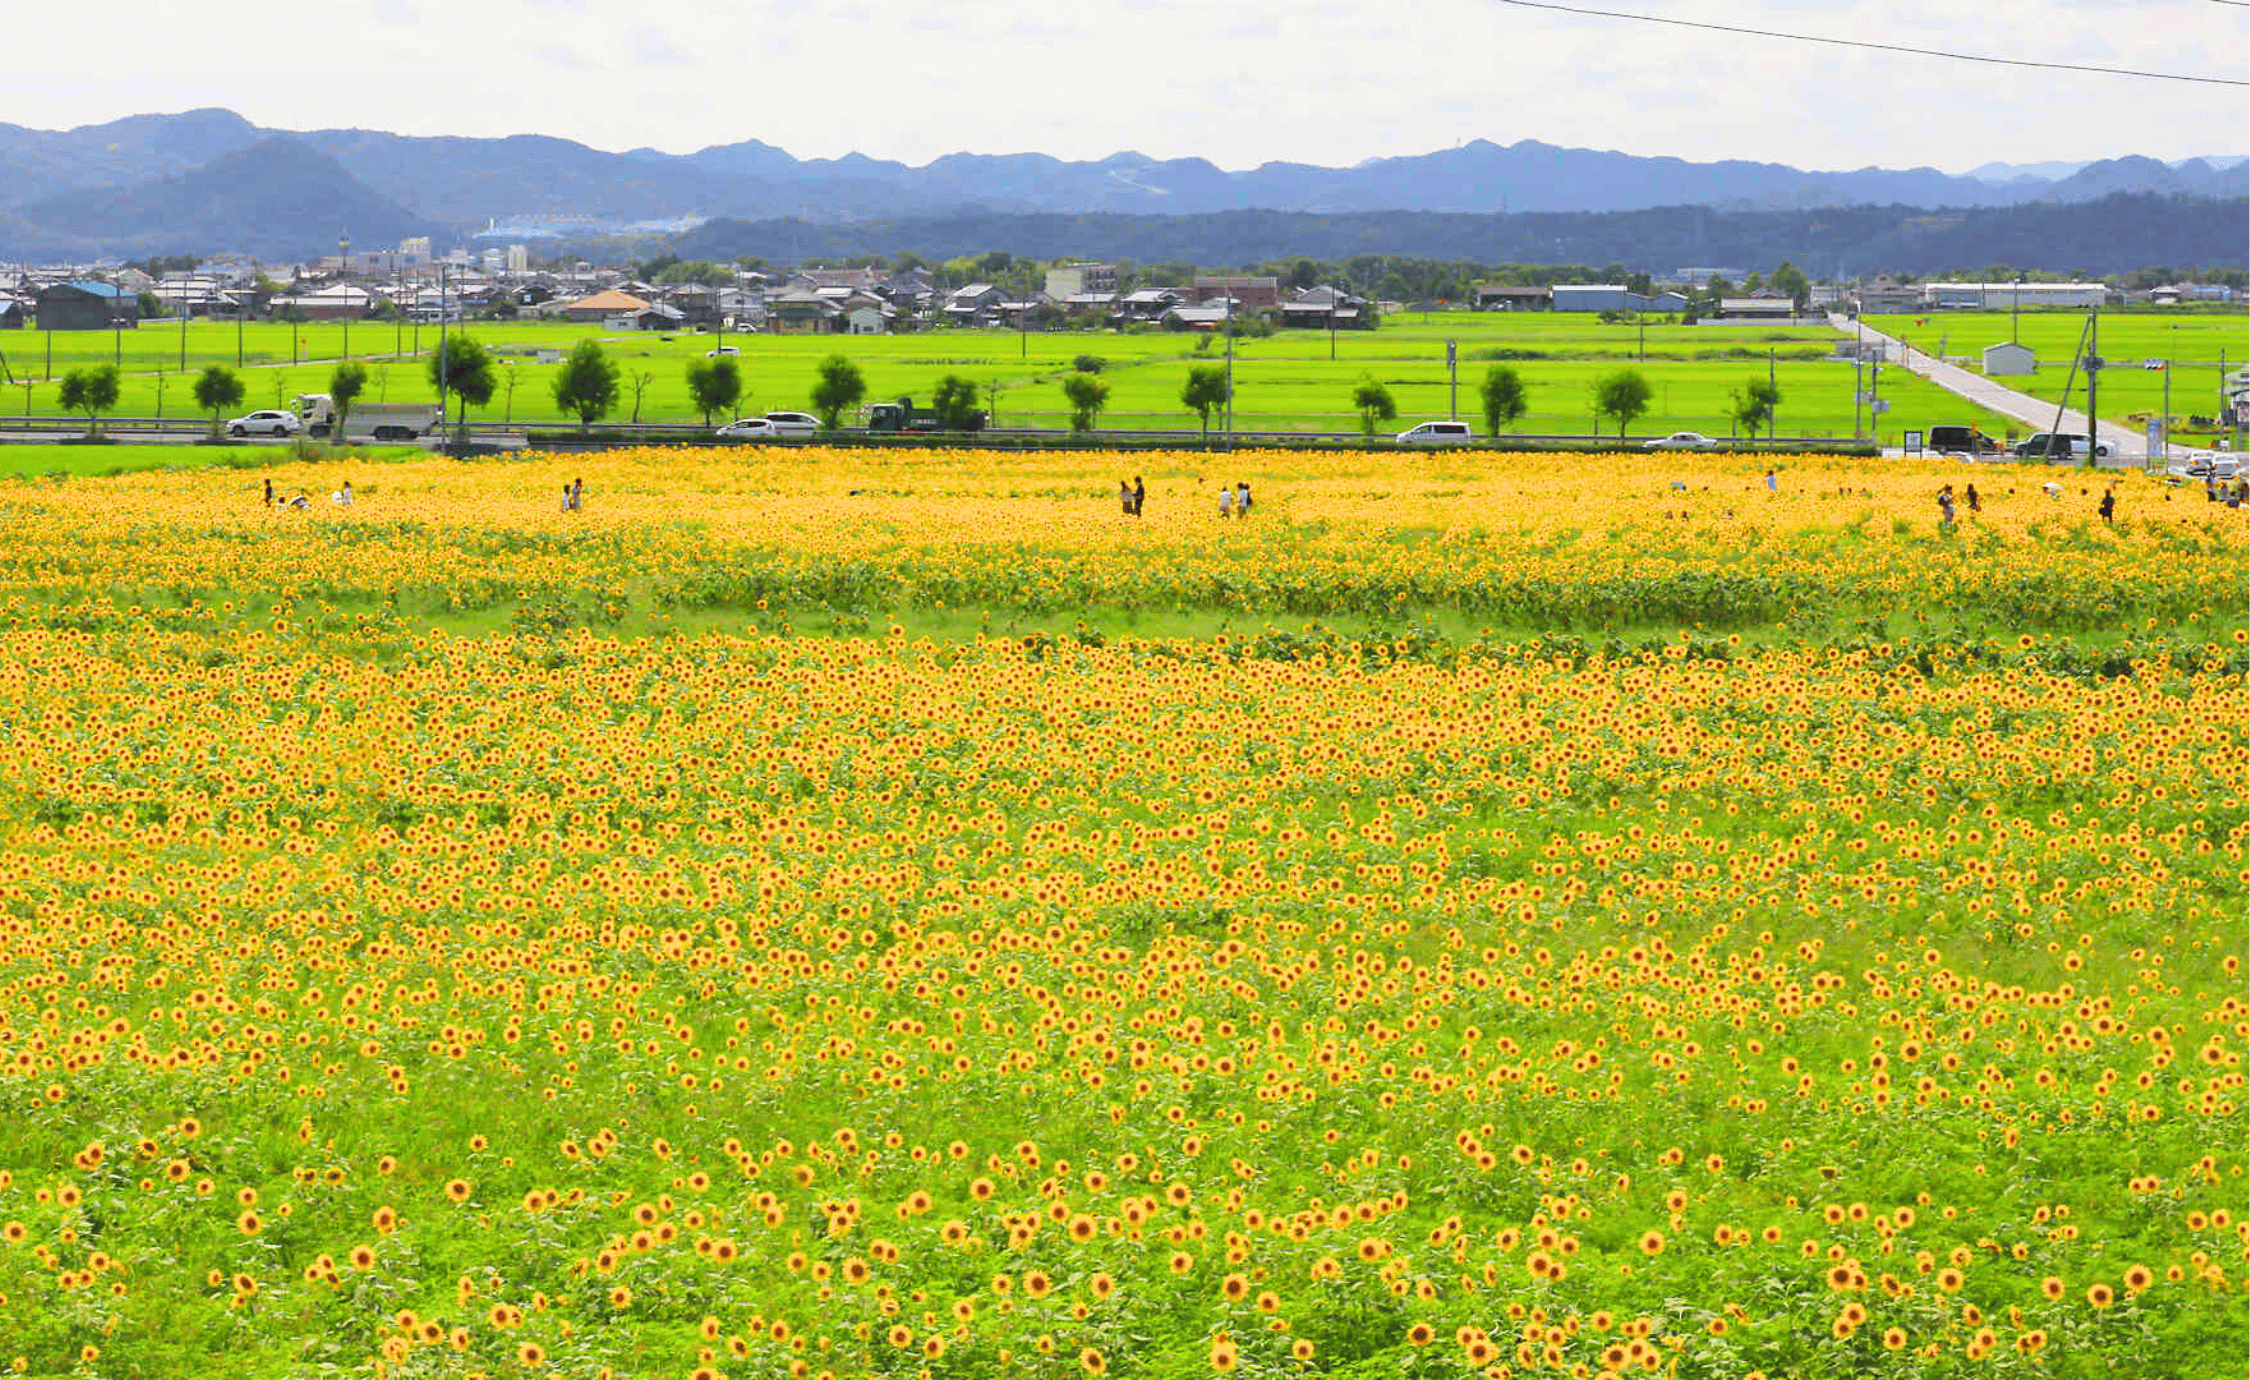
1913 443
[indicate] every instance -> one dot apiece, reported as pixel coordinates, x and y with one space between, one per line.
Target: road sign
1912 443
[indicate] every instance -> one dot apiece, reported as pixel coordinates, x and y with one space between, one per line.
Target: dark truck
903 415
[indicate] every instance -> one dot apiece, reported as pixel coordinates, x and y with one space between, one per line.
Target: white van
1437 434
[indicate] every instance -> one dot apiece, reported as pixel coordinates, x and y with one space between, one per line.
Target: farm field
1285 382
848 913
2202 346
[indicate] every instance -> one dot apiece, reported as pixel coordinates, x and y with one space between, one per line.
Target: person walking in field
577 493
269 494
1125 498
1773 485
1945 507
1976 505
1226 501
2108 508
1241 498
1140 495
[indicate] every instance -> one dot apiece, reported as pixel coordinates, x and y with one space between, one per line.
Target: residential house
604 305
1089 306
1887 296
1326 308
977 303
1250 294
660 317
1149 304
86 305
799 312
335 302
1079 279
869 317
14 316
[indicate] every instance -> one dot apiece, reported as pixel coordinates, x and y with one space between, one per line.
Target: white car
716 352
2200 463
794 423
1437 434
749 429
1680 440
269 423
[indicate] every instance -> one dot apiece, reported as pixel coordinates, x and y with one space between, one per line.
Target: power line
1884 47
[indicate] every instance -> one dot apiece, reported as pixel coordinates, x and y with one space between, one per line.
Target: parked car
748 429
2199 464
1437 434
794 423
717 350
1680 440
266 423
1961 440
2059 446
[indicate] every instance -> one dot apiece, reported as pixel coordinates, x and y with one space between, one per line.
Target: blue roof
92 288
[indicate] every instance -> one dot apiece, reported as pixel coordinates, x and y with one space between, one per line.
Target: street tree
1087 394
714 385
955 403
92 390
218 389
1623 395
587 384
1375 404
345 384
463 368
1754 405
838 387
1504 397
1204 391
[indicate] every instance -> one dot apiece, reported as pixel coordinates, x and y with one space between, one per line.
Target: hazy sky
1320 81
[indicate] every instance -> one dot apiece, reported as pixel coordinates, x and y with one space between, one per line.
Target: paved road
2036 413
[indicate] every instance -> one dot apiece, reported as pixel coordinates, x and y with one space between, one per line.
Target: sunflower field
836 914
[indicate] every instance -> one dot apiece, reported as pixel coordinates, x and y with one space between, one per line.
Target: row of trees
590 384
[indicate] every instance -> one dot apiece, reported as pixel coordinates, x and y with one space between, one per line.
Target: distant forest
2093 239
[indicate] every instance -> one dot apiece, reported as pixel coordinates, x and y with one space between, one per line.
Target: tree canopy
839 386
714 385
587 384
1087 394
1504 397
1623 395
1205 390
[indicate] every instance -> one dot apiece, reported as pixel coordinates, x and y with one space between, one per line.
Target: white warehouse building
2005 296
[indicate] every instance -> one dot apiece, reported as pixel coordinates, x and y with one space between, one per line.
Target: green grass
1286 382
2196 343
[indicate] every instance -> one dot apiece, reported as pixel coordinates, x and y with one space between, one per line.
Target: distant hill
2117 234
145 170
275 198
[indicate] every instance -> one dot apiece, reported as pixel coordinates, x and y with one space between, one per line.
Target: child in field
1226 501
1241 499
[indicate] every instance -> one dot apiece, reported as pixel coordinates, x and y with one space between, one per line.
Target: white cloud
1326 81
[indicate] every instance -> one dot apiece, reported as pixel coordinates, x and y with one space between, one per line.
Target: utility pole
1452 381
2165 458
442 360
1228 298
183 332
2093 386
1859 381
1772 388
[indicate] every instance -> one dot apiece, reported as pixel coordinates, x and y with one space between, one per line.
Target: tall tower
344 253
